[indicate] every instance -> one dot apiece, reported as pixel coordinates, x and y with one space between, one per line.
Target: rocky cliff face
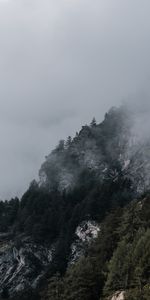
120 295
22 263
85 233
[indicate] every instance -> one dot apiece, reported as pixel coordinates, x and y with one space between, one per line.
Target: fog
61 63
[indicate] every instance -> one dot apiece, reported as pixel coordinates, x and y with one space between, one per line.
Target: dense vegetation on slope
94 176
119 259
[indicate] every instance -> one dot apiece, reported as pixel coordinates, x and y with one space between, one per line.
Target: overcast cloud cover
61 63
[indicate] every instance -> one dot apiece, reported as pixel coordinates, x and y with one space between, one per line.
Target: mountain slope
117 262
95 148
54 224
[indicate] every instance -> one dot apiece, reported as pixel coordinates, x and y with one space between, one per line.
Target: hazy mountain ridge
105 149
95 147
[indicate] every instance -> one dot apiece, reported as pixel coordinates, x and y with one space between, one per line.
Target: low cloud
61 63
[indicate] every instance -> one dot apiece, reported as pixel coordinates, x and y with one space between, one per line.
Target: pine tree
68 142
93 122
119 268
83 281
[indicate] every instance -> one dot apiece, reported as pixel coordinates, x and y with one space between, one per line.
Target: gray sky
61 63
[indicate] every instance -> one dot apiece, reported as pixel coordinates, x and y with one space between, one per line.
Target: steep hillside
116 265
47 237
107 149
95 148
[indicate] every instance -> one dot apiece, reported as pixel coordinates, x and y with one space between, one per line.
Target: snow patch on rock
86 232
120 295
